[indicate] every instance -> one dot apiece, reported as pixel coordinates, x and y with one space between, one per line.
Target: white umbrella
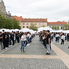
16 30
25 30
60 31
47 28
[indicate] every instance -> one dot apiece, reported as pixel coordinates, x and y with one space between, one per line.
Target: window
23 26
27 26
39 23
43 23
27 23
23 23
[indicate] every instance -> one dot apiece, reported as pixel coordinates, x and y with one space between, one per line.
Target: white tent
25 30
59 31
44 28
47 28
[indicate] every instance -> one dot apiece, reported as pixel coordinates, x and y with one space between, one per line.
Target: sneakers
28 44
47 53
6 48
22 51
68 47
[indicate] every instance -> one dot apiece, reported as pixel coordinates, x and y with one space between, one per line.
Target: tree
68 22
33 27
66 27
7 23
53 27
42 26
57 27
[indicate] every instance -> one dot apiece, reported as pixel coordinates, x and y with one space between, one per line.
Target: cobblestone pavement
34 57
31 64
62 47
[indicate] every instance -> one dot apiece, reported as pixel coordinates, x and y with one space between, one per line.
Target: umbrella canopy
25 30
44 28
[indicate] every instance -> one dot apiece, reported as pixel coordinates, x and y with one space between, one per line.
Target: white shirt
43 37
63 37
51 34
57 35
25 38
22 38
28 35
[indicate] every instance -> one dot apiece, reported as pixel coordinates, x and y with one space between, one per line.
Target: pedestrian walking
62 39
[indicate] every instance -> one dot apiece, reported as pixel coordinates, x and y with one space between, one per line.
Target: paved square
34 57
9 63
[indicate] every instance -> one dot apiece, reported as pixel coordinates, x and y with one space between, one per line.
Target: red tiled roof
17 18
57 23
34 20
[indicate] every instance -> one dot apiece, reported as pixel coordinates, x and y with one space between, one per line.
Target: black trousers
3 44
13 41
56 39
25 42
62 41
18 39
44 43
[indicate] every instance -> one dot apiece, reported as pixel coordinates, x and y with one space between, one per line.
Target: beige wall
38 24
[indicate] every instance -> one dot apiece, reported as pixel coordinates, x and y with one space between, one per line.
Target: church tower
3 9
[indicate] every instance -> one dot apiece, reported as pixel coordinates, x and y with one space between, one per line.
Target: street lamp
12 19
13 23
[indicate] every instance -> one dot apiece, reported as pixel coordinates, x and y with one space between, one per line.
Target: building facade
25 22
57 24
38 22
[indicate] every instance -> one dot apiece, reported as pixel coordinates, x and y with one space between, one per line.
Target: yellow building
25 22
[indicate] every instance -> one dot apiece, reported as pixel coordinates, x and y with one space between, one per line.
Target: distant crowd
46 37
9 39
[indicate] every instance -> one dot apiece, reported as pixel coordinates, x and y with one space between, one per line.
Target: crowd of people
62 36
8 39
11 38
46 37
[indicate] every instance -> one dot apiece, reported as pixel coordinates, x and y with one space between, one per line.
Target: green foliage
9 23
66 27
68 22
33 27
42 26
55 27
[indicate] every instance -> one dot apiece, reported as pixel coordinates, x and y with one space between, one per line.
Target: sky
53 10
